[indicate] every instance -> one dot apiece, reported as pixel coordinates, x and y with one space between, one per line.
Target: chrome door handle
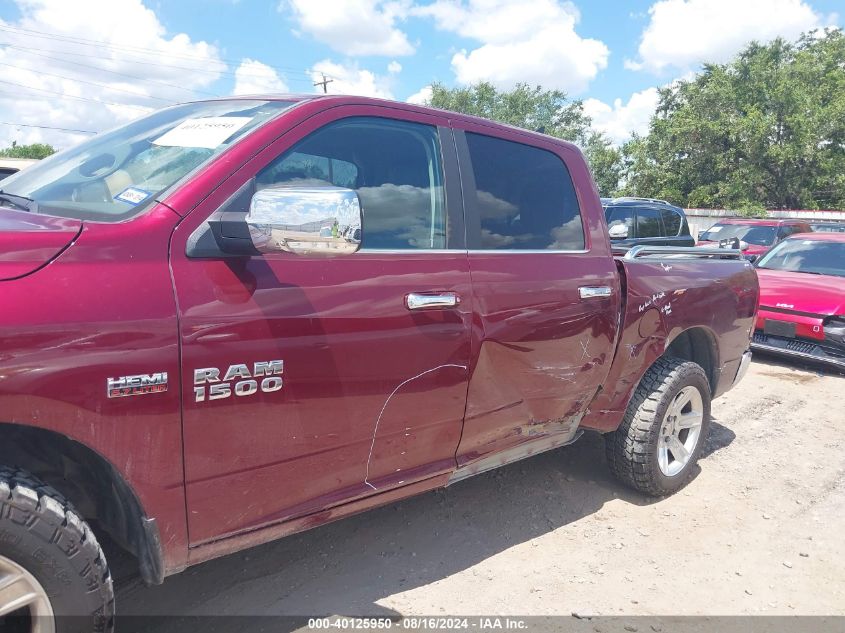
594 292
419 301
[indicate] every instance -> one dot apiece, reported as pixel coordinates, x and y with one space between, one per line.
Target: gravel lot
758 531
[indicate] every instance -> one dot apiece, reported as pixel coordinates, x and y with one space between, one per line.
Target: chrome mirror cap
319 221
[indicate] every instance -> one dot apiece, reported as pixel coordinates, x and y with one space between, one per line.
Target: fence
702 219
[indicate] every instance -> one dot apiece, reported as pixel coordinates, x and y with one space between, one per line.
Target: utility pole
324 83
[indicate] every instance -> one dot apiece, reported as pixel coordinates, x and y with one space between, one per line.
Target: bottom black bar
577 623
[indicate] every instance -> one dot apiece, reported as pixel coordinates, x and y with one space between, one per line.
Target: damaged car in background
802 299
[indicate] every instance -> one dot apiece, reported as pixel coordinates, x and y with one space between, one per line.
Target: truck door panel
373 393
540 350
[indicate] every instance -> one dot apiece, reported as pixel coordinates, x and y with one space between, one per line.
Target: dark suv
636 221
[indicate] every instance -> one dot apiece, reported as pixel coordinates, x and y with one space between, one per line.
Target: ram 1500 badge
265 376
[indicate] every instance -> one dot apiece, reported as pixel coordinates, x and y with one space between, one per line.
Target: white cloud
685 33
50 73
421 97
253 77
354 27
621 120
350 79
531 41
394 67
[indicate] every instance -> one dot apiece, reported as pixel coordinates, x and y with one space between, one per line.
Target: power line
47 127
305 79
87 42
132 49
33 51
67 96
90 83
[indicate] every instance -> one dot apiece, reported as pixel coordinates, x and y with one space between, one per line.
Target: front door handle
594 292
420 301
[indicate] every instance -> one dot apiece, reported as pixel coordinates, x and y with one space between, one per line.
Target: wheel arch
94 486
699 345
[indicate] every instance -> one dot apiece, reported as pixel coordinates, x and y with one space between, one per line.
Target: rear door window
671 222
524 196
648 223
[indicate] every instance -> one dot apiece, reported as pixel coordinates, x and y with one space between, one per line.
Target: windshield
116 175
807 256
828 228
750 233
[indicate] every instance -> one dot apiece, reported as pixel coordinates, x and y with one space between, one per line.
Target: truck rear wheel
656 447
50 562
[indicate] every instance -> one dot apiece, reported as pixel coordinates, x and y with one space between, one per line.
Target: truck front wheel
656 447
51 566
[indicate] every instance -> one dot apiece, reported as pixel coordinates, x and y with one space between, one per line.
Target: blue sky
111 60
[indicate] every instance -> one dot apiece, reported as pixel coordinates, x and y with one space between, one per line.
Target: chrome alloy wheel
680 431
20 591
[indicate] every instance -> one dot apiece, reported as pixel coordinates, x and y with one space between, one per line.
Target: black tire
632 450
41 532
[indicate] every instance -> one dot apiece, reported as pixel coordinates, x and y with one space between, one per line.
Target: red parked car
236 319
756 236
802 299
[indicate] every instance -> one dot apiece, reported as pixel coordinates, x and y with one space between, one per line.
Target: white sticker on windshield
132 195
714 229
208 132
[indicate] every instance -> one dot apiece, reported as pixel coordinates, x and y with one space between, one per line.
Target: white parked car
9 166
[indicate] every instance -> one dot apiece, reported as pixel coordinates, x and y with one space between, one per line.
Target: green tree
547 111
766 130
605 162
36 150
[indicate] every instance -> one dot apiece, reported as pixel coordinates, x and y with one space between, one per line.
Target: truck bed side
693 308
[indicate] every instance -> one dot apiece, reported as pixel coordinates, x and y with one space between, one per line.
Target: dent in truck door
546 293
373 393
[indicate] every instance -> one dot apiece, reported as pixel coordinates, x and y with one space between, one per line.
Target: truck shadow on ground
346 567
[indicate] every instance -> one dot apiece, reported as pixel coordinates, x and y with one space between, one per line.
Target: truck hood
29 241
822 295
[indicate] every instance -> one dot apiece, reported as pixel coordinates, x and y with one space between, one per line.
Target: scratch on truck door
384 407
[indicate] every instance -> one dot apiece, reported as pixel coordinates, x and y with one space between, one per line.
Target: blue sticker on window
132 195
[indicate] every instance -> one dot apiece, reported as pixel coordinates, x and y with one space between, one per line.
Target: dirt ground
758 531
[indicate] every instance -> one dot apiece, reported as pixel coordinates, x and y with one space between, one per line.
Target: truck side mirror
319 221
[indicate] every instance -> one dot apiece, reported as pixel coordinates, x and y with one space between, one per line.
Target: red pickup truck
236 319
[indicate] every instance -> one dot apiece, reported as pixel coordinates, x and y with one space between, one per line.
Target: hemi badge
138 385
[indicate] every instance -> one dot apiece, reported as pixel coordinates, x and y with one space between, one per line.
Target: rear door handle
420 301
594 292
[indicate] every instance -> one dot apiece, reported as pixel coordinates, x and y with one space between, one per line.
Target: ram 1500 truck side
236 319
